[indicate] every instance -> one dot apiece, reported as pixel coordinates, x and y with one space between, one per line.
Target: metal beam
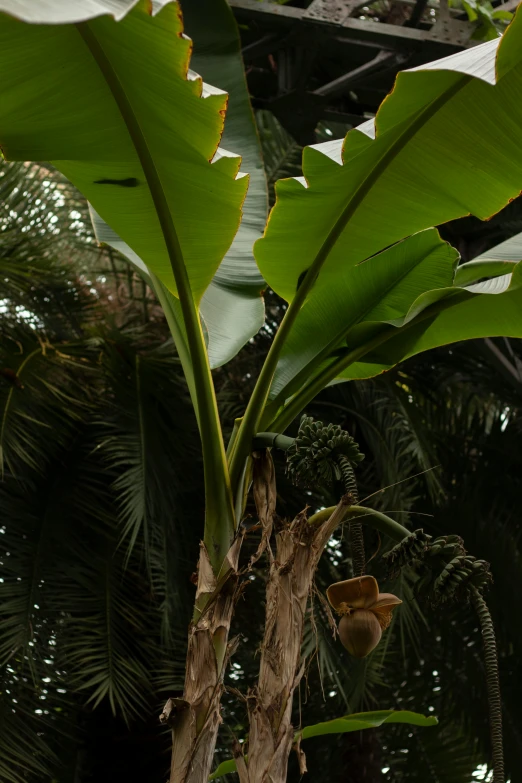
350 29
272 13
331 11
402 37
338 86
345 117
306 47
263 46
500 361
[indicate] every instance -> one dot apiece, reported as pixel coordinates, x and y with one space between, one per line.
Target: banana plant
104 91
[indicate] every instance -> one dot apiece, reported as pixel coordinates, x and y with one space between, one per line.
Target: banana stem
267 440
370 516
493 683
356 528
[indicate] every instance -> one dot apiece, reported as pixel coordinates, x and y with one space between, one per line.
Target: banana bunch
314 456
447 546
447 571
459 574
406 552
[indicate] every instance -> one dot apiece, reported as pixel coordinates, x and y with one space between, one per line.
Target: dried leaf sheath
292 568
196 718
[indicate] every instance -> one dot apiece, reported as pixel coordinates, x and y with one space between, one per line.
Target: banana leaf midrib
216 473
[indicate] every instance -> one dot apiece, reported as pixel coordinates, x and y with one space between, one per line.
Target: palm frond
281 153
108 647
148 434
40 203
41 399
68 584
25 750
444 754
29 539
52 267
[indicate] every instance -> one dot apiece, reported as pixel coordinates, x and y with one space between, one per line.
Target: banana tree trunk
195 718
292 568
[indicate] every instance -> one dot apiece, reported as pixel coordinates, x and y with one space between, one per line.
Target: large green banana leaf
356 722
114 107
492 308
486 265
445 143
485 308
65 11
415 297
464 310
381 289
484 300
232 307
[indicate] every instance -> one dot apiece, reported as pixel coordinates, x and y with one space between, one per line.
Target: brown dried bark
265 497
195 718
292 569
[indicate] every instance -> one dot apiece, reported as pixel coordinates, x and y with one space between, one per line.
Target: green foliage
337 221
383 289
25 752
281 153
363 720
366 720
96 541
232 307
490 21
96 432
353 220
359 176
100 123
37 386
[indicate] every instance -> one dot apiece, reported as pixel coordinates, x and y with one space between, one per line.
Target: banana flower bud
365 613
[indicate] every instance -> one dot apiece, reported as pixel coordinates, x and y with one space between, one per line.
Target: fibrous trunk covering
195 718
292 568
270 702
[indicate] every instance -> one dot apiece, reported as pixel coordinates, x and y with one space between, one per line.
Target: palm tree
95 454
